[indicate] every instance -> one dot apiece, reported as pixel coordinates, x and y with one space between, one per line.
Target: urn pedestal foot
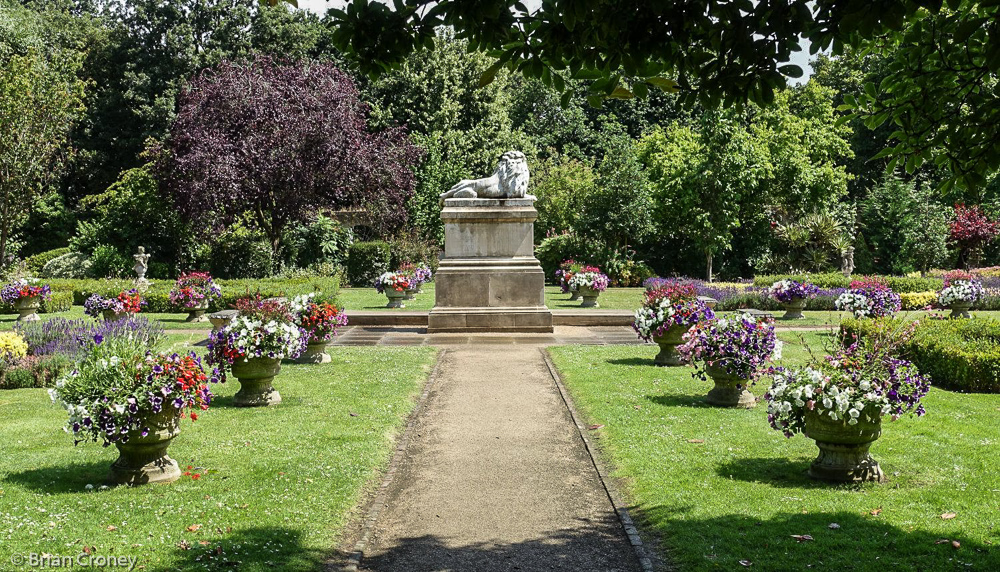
845 464
727 394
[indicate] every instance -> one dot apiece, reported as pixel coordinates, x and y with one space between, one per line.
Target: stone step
559 318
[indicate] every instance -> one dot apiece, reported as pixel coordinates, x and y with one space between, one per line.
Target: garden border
379 501
649 560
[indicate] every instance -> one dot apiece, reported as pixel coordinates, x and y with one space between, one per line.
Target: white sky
800 59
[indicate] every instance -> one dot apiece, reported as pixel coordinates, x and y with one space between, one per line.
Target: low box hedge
59 301
157 296
899 284
962 355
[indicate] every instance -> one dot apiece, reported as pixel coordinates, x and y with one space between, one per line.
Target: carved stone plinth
489 279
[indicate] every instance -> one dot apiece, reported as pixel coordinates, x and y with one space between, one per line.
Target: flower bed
24 288
589 277
669 305
263 329
194 289
318 319
128 302
786 291
869 298
740 344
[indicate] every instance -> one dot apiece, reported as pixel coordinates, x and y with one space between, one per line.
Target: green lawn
278 483
719 486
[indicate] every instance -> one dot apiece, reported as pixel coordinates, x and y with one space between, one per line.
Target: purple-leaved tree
280 141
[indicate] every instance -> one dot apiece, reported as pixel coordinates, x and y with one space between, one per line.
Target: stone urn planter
843 449
411 293
256 376
574 295
315 353
395 297
793 309
960 310
197 313
668 343
221 319
144 460
27 309
589 296
112 316
729 390
709 301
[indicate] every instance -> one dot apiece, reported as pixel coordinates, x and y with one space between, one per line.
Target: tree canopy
709 51
280 142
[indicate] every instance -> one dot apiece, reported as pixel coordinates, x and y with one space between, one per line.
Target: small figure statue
141 265
508 181
847 262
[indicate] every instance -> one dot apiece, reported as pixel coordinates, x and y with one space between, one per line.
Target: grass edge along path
277 485
723 490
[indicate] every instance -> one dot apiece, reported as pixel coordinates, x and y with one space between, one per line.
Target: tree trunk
708 265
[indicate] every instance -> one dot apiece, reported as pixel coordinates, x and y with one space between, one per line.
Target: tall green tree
462 128
40 98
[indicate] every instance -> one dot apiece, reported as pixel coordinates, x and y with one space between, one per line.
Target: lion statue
508 181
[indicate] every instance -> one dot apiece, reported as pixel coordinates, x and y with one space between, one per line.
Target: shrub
917 300
898 284
241 253
36 262
69 265
107 262
33 371
411 248
619 265
963 355
366 261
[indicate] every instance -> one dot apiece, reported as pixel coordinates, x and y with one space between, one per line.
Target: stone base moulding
144 460
489 279
256 376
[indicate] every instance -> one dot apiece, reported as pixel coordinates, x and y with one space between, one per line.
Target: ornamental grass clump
672 304
118 384
193 290
740 345
869 297
127 302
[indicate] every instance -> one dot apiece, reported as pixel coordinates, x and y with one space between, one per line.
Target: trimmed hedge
366 261
962 355
899 284
36 262
60 301
157 297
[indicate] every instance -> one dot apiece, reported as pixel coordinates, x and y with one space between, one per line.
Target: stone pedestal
489 279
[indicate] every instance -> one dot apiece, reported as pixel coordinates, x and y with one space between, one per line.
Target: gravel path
496 477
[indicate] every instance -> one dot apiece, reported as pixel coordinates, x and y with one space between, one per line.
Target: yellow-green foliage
12 346
917 300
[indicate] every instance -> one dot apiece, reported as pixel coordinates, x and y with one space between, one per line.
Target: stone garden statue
847 261
508 181
141 265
